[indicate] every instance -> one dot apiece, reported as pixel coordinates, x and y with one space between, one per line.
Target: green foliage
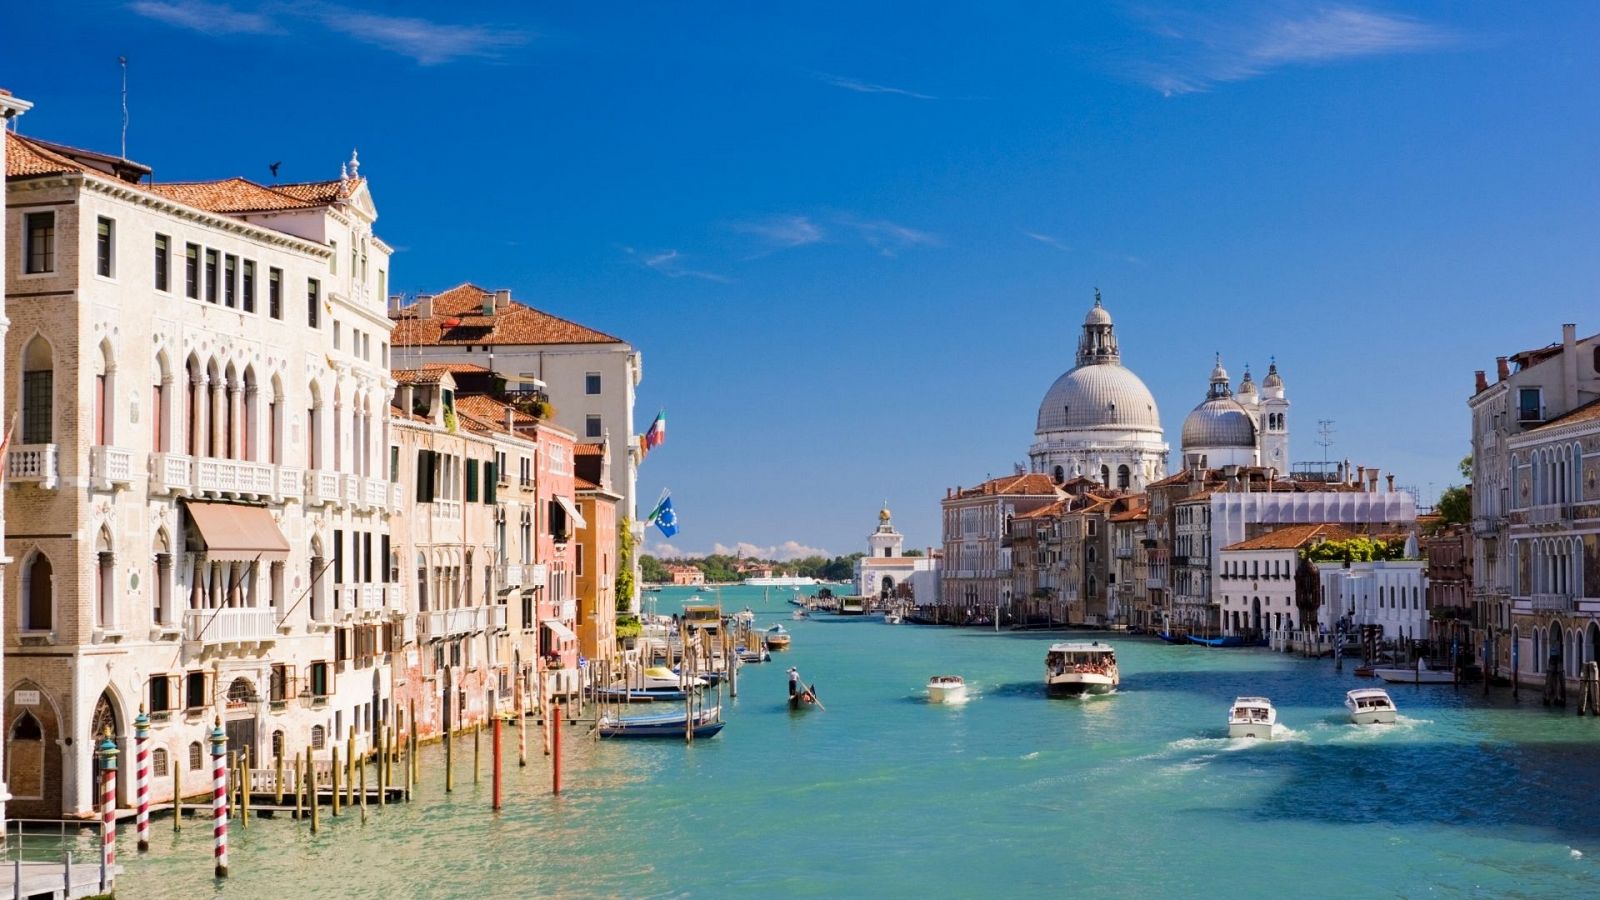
653 570
1455 504
629 626
1357 549
720 568
624 583
913 552
1466 467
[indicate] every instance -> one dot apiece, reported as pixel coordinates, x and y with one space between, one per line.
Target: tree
624 584
912 552
1455 504
1466 467
652 570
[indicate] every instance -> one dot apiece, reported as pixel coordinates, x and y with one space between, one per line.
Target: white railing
568 611
1155 584
535 575
234 476
230 626
1560 603
449 622
447 509
322 487
170 473
291 482
110 467
1486 526
372 598
35 463
1124 553
396 594
1550 514
510 575
350 489
377 493
497 617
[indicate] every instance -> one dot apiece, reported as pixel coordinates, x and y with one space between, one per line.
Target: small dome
1218 423
1247 385
1097 313
1273 379
1219 374
883 515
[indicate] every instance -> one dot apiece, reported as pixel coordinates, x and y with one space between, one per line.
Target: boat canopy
1082 647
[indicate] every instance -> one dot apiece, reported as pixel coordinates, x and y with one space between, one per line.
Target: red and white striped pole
219 798
141 777
108 809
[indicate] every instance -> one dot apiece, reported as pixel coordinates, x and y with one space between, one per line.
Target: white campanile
884 543
1099 421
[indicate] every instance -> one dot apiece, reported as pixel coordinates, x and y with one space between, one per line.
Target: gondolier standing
794 681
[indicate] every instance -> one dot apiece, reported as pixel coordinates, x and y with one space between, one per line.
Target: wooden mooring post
334 771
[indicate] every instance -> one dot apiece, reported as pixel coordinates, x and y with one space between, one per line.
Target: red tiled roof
1587 412
490 410
1133 515
1293 537
458 319
424 375
1043 512
26 159
239 195
580 483
589 450
1033 484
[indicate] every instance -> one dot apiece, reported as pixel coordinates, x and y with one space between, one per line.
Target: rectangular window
163 261
335 334
320 683
191 271
249 286
472 481
275 293
591 383
578 559
105 232
1530 405
39 231
230 280
333 257
394 464
37 412
160 694
313 302
592 426
338 557
195 695
211 276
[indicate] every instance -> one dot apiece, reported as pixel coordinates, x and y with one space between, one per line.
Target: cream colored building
198 492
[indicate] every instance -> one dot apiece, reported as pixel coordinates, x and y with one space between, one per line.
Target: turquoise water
883 794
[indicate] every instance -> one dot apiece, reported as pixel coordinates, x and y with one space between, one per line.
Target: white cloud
210 18
784 231
670 264
425 41
867 87
889 238
1212 51
1049 241
664 550
783 551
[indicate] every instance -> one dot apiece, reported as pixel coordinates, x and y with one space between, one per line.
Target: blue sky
855 242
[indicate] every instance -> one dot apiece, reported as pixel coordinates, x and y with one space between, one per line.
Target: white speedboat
661 678
946 689
1252 717
1081 667
1370 706
890 618
1421 673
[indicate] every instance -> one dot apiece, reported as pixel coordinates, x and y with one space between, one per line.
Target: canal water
882 794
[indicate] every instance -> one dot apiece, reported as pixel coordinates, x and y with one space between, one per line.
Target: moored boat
664 679
1370 706
890 618
1081 667
776 638
707 722
946 689
1421 673
1252 717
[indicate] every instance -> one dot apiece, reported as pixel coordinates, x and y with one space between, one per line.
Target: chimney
502 300
395 302
424 306
1502 368
1361 475
488 304
1390 478
1483 382
1569 367
408 398
1372 481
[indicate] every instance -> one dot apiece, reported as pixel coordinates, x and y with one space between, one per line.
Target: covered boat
707 722
777 638
1370 706
946 689
1081 667
1421 673
1252 717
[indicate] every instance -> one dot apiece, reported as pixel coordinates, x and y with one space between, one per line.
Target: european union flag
666 518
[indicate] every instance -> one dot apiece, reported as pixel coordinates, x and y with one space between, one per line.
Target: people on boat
794 681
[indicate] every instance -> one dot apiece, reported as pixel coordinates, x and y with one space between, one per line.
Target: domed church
1099 421
1247 429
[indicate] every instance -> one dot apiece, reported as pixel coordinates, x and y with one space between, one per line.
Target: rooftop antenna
1324 440
123 61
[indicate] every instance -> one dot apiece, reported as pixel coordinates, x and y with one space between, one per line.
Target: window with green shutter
472 481
488 482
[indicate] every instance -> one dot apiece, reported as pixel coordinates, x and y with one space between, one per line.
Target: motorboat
661 678
1370 706
776 638
707 722
890 618
947 689
745 654
1252 717
1081 667
1421 673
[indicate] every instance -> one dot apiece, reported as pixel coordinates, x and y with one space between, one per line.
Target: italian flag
657 433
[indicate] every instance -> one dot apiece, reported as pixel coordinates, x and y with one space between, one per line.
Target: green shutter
472 481
490 479
424 471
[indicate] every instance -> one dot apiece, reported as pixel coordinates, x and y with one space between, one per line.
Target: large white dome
1098 395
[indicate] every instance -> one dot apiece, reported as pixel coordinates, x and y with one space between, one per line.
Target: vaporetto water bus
1074 668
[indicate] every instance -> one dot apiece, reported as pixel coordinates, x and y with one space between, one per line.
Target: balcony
1155 583
234 477
291 483
350 490
371 598
1553 603
322 487
377 494
497 618
1550 514
171 473
510 575
1124 553
230 626
1486 526
447 509
34 463
397 497
110 467
445 623
536 575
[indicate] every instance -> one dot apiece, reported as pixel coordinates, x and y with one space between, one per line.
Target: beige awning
572 512
234 532
560 630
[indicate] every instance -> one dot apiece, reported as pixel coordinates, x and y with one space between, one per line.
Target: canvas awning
572 512
235 532
560 630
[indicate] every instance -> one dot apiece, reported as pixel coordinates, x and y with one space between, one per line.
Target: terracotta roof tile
240 195
1033 484
1585 413
490 410
1044 512
458 319
589 450
27 159
1293 537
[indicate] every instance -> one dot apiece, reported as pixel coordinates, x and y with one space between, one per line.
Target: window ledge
165 633
37 638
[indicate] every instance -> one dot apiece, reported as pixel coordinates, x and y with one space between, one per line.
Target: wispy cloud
427 42
1049 241
867 87
889 238
784 231
670 264
1208 51
785 550
210 18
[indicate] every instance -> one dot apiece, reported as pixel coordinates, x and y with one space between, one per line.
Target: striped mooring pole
219 798
141 777
108 809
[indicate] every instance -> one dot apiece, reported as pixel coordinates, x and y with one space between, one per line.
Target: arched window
27 728
104 396
38 595
158 762
1124 477
38 393
161 611
197 756
1061 475
160 414
319 736
277 744
1105 475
